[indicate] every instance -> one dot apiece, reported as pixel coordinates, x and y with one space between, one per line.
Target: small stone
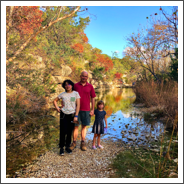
176 160
155 150
173 175
154 146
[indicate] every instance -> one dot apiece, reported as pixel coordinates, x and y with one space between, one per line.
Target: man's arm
77 109
93 95
93 106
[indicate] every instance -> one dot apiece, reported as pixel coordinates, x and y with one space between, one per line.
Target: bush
19 102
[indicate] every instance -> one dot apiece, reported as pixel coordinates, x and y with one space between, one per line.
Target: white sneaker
99 146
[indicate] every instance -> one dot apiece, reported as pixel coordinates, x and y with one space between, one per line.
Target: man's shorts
84 118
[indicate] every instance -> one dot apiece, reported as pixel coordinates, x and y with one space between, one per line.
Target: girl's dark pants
66 129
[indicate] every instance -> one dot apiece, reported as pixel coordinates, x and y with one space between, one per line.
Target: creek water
41 133
125 122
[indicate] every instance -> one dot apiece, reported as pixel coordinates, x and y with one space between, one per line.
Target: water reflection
28 140
116 99
123 122
131 130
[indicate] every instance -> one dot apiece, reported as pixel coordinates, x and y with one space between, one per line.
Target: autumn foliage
84 37
78 47
21 100
27 18
104 61
118 75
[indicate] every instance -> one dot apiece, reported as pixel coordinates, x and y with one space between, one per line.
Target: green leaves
174 65
97 73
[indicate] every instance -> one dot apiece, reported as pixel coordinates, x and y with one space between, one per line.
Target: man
86 92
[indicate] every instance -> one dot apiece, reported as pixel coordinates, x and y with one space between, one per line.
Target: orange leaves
78 47
27 19
104 61
118 75
84 37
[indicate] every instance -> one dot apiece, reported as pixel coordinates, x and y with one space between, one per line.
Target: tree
78 47
151 49
104 61
174 66
23 19
65 40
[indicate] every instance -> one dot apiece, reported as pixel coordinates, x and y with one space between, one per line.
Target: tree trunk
9 25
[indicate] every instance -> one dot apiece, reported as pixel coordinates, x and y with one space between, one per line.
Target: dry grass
164 96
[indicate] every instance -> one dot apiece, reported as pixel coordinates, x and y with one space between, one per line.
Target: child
98 126
68 114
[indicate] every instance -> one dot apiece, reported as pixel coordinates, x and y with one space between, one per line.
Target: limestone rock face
58 79
38 64
90 75
63 71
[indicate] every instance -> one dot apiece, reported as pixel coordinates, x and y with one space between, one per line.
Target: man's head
84 76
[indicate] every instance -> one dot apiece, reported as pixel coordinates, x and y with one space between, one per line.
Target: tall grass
162 95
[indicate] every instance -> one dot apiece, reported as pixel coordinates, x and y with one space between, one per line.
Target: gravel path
78 164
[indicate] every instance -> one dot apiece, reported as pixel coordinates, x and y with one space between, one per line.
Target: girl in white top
68 114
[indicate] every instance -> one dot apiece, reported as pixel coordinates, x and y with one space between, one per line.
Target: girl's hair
69 82
100 102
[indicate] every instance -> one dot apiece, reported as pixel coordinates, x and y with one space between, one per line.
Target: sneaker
99 146
61 151
68 150
93 147
73 146
83 147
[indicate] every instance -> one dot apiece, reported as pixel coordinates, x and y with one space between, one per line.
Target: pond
39 133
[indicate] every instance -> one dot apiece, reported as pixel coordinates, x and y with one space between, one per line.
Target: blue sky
110 25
